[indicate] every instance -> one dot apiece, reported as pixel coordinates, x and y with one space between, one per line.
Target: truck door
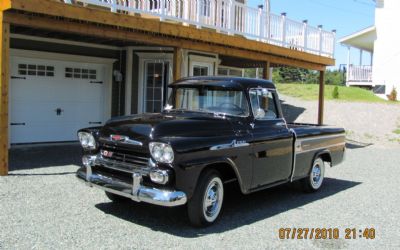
271 140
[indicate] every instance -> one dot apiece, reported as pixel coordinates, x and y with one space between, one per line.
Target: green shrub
335 92
393 95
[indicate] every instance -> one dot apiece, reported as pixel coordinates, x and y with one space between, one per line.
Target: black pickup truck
212 131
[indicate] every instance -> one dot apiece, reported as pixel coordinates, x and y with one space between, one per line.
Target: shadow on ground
290 112
31 157
351 144
239 210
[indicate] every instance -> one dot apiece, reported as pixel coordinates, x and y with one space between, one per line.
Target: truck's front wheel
316 176
206 203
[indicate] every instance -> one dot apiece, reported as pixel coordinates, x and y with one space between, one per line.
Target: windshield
204 99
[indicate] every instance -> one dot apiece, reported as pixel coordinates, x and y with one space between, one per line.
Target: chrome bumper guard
135 190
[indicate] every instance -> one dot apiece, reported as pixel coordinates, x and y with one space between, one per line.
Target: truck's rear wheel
205 205
316 176
116 198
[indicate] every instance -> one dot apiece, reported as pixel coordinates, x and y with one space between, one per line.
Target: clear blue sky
346 16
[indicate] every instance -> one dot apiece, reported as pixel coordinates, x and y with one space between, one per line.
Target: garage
54 95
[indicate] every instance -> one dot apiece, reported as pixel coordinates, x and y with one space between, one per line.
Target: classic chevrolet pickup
212 131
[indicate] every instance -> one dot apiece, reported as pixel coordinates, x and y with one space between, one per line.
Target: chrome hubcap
213 199
317 175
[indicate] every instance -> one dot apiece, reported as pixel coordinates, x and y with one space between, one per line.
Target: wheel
206 203
116 198
316 176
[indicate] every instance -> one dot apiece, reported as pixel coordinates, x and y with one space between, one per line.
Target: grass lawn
310 92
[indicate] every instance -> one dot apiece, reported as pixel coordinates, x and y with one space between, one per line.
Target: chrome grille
122 158
127 158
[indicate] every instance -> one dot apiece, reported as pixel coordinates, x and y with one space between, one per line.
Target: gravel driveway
43 206
47 207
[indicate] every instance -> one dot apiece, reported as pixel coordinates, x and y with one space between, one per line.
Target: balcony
230 17
359 75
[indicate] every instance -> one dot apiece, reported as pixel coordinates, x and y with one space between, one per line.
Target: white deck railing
231 17
359 74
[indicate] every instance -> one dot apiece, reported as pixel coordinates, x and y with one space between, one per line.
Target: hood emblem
118 137
125 139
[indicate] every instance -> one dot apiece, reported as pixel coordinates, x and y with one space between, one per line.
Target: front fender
188 173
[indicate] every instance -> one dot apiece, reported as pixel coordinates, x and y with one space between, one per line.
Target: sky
346 16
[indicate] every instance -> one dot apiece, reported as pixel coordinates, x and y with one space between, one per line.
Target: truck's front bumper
134 190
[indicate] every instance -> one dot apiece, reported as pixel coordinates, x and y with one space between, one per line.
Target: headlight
161 152
87 140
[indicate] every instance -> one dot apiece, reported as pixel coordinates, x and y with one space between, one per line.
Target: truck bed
308 130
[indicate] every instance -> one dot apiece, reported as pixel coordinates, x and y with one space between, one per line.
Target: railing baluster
283 23
234 18
320 40
305 35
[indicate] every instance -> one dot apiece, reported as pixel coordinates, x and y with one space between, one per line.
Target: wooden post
321 97
4 72
177 63
266 71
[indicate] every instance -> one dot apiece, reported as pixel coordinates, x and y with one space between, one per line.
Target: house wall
386 48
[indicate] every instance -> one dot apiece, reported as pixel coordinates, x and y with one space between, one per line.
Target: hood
168 125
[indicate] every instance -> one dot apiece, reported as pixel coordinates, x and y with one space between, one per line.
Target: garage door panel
54 107
52 133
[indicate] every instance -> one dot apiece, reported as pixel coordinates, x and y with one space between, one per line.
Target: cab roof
236 83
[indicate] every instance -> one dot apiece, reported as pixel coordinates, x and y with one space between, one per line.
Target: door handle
94 122
58 111
18 77
98 82
17 124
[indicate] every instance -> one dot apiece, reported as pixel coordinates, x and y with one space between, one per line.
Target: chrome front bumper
134 190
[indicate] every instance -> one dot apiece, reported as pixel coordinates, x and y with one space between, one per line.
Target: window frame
244 96
274 96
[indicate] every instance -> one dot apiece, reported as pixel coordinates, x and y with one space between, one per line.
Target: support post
321 97
128 81
348 66
4 82
266 71
177 63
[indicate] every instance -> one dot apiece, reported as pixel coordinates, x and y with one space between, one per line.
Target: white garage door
51 100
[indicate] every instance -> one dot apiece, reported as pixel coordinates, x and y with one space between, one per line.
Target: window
35 70
263 104
222 71
79 73
200 70
207 99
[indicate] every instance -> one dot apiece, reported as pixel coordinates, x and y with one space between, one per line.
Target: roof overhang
363 39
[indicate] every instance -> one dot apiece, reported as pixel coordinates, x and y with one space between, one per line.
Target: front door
272 141
155 88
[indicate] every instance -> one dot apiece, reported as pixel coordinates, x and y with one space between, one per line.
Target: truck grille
124 159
